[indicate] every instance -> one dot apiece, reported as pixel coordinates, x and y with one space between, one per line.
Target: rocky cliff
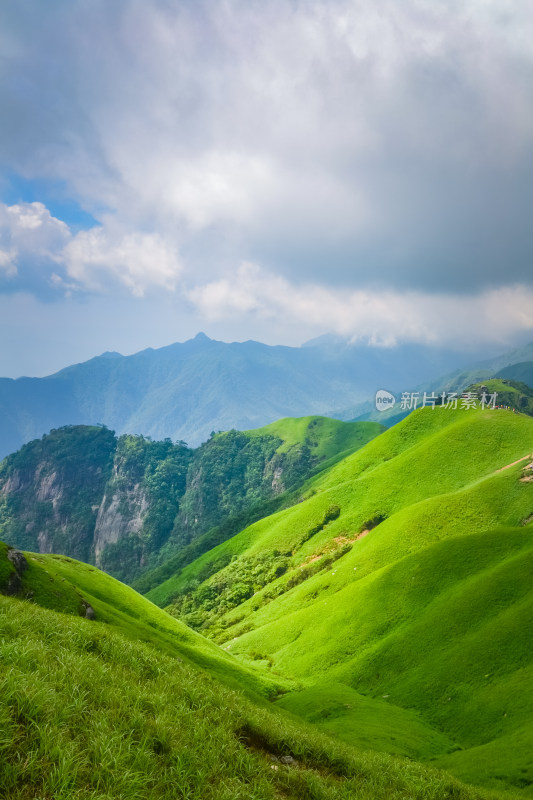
126 503
51 490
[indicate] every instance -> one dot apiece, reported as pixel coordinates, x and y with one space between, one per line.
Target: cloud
38 250
370 166
136 260
493 316
30 240
7 262
339 142
30 226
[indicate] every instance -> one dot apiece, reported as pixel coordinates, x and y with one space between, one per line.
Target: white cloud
380 318
35 247
31 228
369 136
8 263
30 237
375 159
136 260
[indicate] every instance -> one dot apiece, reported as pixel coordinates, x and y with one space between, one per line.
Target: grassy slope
63 584
393 471
329 440
510 393
87 713
327 437
6 567
435 603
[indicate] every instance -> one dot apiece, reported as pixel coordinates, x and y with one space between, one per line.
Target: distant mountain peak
111 354
325 340
201 337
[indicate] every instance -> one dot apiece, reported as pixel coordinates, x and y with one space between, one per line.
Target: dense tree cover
51 488
156 472
128 504
236 471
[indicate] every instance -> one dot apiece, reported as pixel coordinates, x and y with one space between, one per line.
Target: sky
263 169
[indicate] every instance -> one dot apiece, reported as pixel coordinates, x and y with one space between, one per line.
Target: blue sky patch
53 194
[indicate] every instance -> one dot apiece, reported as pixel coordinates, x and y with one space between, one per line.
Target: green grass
512 393
63 584
87 713
370 723
395 470
414 640
429 615
328 441
328 438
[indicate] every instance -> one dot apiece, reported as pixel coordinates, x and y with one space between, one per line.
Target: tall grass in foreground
86 713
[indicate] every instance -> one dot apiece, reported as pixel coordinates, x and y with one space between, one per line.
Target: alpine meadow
382 618
266 400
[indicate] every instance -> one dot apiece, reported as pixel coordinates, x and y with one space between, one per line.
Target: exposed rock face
49 488
276 483
45 498
14 585
89 610
18 560
13 482
46 542
120 516
81 492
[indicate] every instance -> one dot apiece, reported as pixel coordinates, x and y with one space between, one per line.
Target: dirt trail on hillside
514 462
340 540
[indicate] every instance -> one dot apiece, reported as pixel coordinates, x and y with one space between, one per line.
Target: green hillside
326 438
398 594
103 695
236 471
87 713
62 584
522 372
512 393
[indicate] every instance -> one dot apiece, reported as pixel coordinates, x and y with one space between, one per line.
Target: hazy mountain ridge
186 390
512 365
521 372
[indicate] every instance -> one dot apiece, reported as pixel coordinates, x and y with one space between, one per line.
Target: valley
387 602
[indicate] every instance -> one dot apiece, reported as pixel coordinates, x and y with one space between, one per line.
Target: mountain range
187 390
514 365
